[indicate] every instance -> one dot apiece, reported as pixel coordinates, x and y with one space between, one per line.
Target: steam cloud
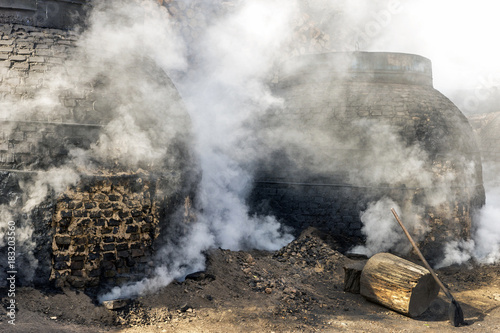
224 94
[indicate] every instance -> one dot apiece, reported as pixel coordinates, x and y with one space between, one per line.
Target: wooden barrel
398 284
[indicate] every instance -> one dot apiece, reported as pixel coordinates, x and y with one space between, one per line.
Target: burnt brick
129 220
76 273
106 231
108 247
135 237
109 239
90 205
130 262
105 205
66 213
78 258
114 197
100 197
119 263
80 241
136 212
122 246
123 270
133 204
94 273
77 265
146 228
93 256
139 219
80 213
110 273
123 254
63 240
85 222
137 253
95 214
61 258
80 248
114 223
78 231
75 204
109 256
100 222
115 230
132 229
78 283
107 213
65 222
60 265
93 282
123 214
107 265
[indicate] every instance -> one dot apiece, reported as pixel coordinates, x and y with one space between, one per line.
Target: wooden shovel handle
441 285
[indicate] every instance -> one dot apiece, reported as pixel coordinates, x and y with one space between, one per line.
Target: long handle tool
455 311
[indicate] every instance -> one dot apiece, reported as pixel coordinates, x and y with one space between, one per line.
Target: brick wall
321 177
100 231
104 230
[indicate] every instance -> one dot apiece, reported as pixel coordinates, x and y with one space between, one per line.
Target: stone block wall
103 231
333 150
60 14
27 53
39 145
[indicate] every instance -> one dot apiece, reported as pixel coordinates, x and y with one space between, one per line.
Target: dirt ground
296 289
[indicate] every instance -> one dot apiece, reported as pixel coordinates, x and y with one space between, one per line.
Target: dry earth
296 289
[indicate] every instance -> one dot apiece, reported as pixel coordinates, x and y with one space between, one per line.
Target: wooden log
398 284
352 275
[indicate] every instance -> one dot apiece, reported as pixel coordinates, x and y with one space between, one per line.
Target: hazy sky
460 37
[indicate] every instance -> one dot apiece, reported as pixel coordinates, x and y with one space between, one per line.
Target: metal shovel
455 313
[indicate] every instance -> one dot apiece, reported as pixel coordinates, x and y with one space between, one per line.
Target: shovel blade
456 314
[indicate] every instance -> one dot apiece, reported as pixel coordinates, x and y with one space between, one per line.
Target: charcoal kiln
102 228
350 126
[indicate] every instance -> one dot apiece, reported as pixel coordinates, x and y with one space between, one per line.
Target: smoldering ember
221 166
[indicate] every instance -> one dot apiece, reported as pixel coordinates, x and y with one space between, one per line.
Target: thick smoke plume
225 93
464 69
484 247
221 75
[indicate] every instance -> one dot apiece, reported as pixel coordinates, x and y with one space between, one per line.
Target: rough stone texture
104 230
61 14
323 179
35 145
30 58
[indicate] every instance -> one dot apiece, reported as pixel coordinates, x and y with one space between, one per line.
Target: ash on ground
298 288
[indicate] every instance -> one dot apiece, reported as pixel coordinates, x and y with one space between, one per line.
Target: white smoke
464 68
39 188
484 247
382 233
240 52
487 235
225 93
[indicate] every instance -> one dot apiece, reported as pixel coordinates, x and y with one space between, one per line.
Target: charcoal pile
309 250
